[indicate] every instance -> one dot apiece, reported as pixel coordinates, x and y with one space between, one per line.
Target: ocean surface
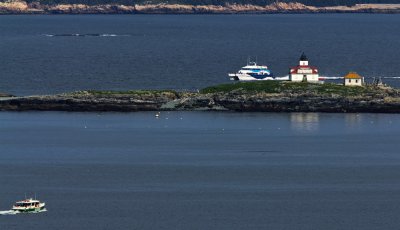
196 170
40 54
201 170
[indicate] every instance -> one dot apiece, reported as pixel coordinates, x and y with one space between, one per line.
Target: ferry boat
252 72
29 205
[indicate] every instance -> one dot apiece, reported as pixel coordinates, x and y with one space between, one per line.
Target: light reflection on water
305 122
352 120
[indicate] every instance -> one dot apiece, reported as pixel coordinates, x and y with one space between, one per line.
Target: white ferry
29 205
252 72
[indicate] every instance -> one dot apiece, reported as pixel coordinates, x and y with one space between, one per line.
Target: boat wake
330 78
8 212
287 78
86 35
284 78
12 212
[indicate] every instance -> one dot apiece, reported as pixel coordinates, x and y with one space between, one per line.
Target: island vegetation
261 96
292 87
127 92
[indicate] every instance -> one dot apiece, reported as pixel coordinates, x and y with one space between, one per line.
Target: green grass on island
289 87
127 92
253 87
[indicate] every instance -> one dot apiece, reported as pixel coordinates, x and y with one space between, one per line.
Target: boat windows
25 204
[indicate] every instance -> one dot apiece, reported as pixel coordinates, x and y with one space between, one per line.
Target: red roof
295 69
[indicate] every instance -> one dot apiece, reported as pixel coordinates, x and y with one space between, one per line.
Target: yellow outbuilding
353 79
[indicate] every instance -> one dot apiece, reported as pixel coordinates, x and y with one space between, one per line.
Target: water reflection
304 122
352 120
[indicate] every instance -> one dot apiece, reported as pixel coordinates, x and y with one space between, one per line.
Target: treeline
215 2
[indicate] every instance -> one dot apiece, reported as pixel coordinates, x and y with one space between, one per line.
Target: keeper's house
303 72
353 79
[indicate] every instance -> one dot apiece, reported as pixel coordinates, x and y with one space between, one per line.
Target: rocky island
263 96
192 7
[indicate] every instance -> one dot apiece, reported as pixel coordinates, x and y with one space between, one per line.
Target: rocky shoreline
370 101
22 7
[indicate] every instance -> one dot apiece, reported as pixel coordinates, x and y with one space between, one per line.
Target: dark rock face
87 102
316 104
308 103
242 102
5 95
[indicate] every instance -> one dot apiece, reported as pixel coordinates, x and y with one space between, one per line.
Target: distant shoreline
21 7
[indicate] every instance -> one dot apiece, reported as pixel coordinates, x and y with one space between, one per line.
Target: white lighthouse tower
303 72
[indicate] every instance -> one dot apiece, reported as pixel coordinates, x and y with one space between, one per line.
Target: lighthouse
303 72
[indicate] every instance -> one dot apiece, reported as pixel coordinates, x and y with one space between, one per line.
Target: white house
353 79
303 72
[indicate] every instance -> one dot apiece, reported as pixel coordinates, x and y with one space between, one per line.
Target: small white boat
252 72
29 206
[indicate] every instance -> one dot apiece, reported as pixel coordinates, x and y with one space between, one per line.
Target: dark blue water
194 170
198 170
187 51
